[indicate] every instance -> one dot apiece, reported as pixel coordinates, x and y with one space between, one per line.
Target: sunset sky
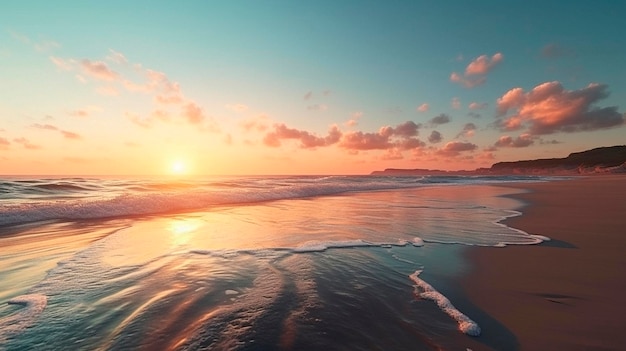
305 87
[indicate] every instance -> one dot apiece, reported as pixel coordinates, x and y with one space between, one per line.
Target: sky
305 87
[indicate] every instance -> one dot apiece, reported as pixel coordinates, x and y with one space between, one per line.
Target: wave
26 201
33 305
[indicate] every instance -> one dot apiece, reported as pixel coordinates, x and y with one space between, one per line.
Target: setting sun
178 167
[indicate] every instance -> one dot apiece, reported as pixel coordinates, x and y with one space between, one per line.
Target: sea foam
33 305
426 291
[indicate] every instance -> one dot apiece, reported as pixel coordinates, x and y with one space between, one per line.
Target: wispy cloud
239 108
423 107
4 143
553 51
26 144
66 134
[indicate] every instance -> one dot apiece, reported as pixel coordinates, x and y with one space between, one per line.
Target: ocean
245 263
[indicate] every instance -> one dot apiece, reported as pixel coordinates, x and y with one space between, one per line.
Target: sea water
243 263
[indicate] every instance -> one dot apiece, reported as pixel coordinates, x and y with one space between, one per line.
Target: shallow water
329 272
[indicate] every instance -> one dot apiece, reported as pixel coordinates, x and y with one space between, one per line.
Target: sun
178 167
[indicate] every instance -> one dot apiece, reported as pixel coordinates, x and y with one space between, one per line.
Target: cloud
440 119
402 137
98 70
467 131
27 144
549 108
467 82
454 148
523 140
477 105
193 113
70 135
4 144
66 134
260 123
317 107
308 95
553 51
354 121
392 154
239 108
482 64
65 65
435 137
116 57
455 103
306 139
476 71
423 107
165 93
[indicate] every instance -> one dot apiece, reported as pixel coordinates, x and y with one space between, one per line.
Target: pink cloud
354 121
482 64
454 148
423 107
26 144
549 108
4 144
260 123
193 113
98 70
477 105
476 71
523 140
307 140
392 154
70 135
65 133
402 136
61 63
467 82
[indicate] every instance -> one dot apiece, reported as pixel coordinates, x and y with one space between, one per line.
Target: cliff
602 160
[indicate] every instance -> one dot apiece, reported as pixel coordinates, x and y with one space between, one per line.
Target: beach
564 294
309 263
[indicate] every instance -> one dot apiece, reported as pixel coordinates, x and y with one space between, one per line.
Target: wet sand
565 294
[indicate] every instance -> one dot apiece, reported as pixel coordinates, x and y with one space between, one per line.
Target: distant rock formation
610 159
602 160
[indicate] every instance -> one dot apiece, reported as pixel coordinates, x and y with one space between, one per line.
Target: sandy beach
565 294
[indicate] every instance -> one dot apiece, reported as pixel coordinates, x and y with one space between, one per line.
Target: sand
565 294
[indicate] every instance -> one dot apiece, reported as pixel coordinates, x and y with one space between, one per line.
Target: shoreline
566 293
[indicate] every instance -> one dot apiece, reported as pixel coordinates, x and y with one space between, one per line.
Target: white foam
231 292
417 241
33 305
426 291
318 246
